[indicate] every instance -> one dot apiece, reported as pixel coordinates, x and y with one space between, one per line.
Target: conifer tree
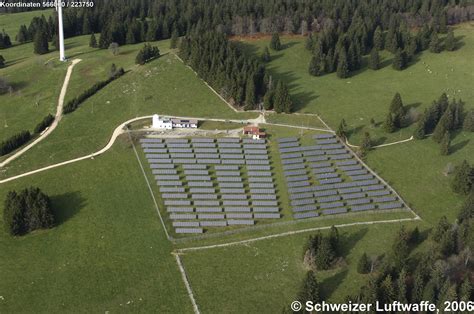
468 124
388 290
324 254
22 36
435 46
309 290
402 287
444 125
445 144
281 100
93 41
266 57
343 66
41 42
315 66
366 144
174 39
420 130
342 130
450 41
378 39
268 99
275 43
389 124
250 94
463 178
130 37
399 60
465 291
2 61
374 59
364 265
397 110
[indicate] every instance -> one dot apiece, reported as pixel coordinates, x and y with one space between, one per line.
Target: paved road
57 118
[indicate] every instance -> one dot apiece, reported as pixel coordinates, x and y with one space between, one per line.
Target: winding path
57 118
121 129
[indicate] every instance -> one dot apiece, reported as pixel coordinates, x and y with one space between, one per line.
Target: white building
161 123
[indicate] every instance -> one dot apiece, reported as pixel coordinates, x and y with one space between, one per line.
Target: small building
161 123
184 124
255 132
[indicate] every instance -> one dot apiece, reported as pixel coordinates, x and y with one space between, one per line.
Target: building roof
180 121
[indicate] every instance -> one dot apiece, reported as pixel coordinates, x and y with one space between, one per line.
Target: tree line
14 142
134 21
26 211
238 77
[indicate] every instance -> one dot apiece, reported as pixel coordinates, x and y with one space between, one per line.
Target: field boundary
292 222
184 276
290 233
149 187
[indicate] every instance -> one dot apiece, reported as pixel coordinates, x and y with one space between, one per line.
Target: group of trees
14 142
439 274
321 251
27 210
41 31
5 41
396 115
74 103
146 54
340 46
441 119
236 76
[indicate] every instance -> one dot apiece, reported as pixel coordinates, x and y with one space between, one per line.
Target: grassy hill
108 252
367 94
144 90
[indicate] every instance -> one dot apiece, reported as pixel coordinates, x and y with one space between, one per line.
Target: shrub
44 124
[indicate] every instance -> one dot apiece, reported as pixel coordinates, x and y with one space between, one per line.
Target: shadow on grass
348 240
67 205
330 284
458 146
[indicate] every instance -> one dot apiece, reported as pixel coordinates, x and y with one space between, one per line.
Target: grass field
145 90
268 273
108 253
367 94
415 170
11 22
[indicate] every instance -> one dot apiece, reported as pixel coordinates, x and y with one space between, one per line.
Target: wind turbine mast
59 8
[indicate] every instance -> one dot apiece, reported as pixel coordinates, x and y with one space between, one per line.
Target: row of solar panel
154 163
212 203
364 184
175 216
202 140
343 192
330 201
340 210
268 209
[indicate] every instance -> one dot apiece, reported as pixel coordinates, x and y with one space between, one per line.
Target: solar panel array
326 179
207 182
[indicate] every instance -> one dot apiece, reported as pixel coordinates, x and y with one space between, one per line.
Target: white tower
59 8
